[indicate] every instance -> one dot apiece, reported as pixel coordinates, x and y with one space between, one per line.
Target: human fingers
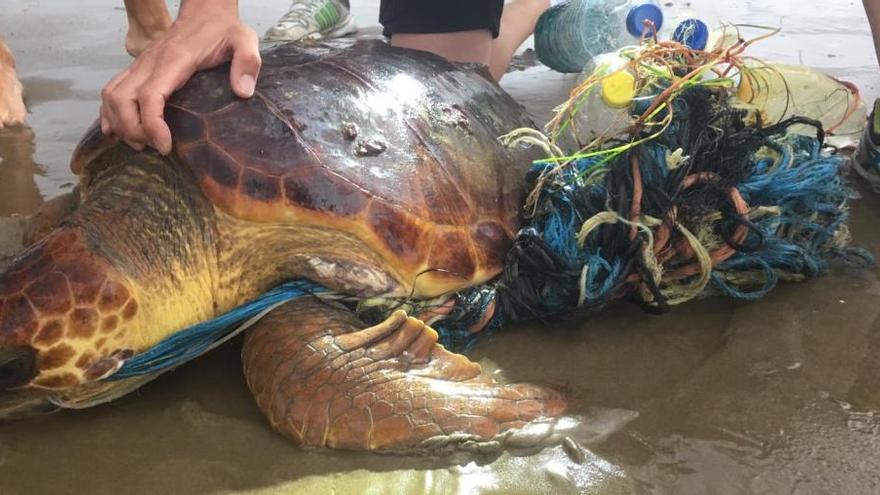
246 61
153 95
105 97
121 106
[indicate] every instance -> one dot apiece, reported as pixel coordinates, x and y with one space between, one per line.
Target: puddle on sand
775 396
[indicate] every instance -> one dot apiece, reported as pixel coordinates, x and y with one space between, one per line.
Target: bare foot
147 21
136 41
12 110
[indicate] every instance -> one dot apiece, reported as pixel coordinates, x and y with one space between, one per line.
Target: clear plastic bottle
643 17
606 109
570 34
780 91
693 33
700 30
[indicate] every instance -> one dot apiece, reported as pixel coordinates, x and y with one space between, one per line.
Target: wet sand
778 396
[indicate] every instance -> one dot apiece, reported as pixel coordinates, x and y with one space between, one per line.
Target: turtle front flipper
324 379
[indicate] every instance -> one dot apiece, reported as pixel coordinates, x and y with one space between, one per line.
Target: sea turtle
369 169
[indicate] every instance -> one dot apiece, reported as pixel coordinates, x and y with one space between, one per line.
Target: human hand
133 101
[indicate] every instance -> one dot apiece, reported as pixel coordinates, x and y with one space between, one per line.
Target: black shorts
439 16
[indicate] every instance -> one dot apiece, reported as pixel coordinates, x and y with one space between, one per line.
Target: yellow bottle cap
618 89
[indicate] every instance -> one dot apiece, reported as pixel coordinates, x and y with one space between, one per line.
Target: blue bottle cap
635 20
692 32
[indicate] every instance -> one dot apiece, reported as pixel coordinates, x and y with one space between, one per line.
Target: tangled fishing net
697 195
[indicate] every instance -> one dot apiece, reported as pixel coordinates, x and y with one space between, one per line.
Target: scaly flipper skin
324 379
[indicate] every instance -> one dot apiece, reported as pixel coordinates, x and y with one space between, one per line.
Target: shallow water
778 396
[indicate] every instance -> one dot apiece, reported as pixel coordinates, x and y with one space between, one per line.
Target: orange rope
681 249
635 211
724 252
851 109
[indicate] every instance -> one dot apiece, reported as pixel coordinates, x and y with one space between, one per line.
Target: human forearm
517 24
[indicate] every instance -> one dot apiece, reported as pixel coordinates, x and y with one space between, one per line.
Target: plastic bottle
699 29
692 33
569 34
696 34
607 108
780 91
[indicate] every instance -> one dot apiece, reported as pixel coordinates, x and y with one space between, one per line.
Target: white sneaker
313 19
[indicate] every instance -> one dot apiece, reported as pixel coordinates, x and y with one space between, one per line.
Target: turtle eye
17 367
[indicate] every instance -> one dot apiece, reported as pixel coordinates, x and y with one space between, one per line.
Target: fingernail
246 84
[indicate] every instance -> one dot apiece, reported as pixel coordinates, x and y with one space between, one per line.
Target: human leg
517 24
459 30
463 30
147 21
466 46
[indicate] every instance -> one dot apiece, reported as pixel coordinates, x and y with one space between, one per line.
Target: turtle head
66 319
131 266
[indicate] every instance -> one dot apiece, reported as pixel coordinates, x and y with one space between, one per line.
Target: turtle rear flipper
324 379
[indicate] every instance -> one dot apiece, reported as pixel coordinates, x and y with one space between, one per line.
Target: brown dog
12 110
